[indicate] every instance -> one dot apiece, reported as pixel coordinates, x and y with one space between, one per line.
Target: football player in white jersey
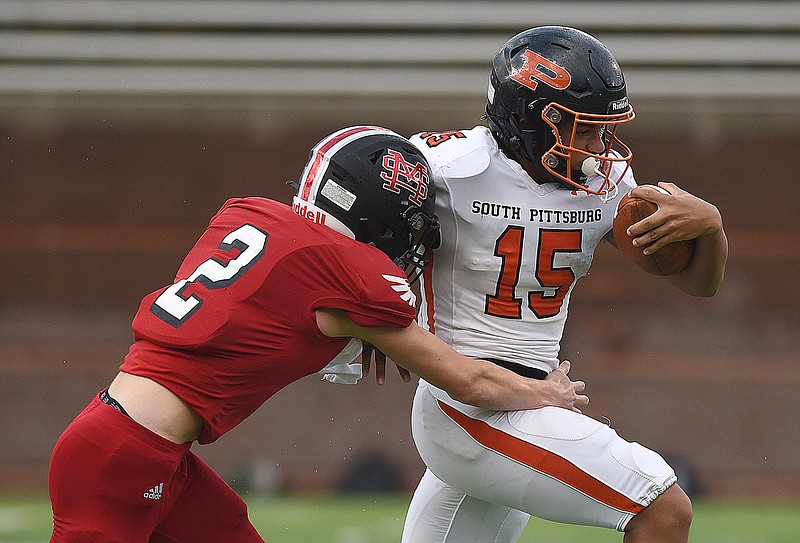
523 205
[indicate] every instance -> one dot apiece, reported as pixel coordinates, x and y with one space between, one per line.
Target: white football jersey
512 249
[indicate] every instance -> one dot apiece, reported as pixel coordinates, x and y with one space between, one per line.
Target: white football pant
489 470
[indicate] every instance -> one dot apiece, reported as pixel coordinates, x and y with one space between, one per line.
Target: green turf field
26 519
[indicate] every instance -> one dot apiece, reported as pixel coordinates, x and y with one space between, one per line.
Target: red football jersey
238 324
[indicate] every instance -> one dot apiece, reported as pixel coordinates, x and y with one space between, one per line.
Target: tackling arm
475 382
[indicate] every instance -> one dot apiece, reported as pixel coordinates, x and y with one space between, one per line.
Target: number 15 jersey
512 249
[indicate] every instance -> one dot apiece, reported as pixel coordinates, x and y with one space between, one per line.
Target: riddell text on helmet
303 211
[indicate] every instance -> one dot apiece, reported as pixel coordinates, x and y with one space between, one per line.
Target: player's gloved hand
368 352
568 392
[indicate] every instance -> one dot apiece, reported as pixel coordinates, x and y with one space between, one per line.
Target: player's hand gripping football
680 216
368 353
567 392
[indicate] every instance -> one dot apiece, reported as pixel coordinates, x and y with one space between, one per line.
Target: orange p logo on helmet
536 68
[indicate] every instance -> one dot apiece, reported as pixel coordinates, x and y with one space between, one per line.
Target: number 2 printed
555 281
174 308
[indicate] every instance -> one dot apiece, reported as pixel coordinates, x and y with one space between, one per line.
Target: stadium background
124 126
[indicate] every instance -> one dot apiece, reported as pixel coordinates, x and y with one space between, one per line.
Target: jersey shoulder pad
457 154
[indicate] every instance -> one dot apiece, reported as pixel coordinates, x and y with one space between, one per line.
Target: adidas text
155 492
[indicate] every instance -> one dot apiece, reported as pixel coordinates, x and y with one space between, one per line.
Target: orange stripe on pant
541 460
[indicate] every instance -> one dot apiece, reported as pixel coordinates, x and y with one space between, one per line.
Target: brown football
668 260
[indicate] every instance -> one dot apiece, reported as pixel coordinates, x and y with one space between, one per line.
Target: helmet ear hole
385 231
524 123
373 157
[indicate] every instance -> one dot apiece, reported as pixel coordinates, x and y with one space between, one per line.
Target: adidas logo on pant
155 492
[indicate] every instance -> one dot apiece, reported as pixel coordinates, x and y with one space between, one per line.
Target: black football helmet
375 186
550 75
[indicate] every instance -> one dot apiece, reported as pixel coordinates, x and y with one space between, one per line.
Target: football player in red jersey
523 203
269 294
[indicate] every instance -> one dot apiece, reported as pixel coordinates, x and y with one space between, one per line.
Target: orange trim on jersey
541 460
427 276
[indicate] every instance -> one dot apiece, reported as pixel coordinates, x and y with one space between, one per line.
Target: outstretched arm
475 382
681 216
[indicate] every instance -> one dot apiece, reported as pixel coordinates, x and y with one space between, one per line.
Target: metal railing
234 52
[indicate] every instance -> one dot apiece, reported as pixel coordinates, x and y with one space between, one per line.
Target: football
668 260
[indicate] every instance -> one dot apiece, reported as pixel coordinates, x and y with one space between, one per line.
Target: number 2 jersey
512 249
239 322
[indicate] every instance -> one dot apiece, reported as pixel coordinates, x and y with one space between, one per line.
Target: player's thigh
207 510
551 463
100 473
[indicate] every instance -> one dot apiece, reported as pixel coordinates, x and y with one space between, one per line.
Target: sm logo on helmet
535 68
397 174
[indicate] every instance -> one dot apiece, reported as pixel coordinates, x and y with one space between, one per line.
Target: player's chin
578 177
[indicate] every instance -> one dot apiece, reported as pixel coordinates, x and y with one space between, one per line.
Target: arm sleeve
367 286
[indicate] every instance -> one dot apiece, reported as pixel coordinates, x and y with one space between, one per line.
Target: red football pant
114 481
